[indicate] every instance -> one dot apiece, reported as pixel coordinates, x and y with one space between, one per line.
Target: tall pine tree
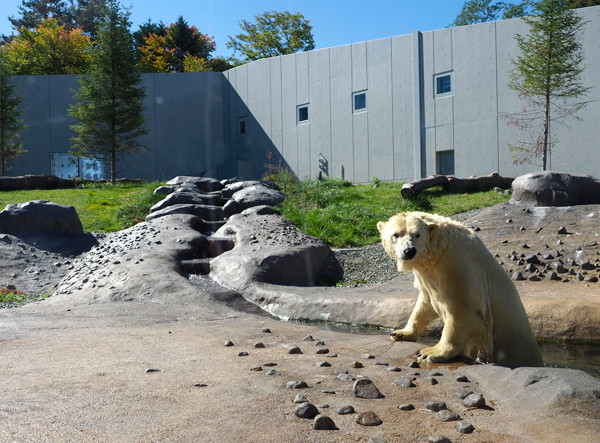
547 74
109 105
11 125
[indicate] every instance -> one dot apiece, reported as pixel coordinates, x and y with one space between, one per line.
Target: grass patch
346 215
10 298
101 207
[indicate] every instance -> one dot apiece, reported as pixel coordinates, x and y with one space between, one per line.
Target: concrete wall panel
320 105
289 104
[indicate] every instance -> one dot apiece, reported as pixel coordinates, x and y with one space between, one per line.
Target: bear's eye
395 236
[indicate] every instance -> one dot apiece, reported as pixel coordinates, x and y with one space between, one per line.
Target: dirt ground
142 371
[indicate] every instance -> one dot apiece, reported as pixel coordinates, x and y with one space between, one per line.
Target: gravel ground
368 265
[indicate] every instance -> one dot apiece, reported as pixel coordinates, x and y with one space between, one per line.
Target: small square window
302 113
445 162
242 127
443 84
360 101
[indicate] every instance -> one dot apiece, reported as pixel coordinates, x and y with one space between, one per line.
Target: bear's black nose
409 253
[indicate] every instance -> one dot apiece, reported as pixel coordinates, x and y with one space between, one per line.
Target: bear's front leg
452 343
420 318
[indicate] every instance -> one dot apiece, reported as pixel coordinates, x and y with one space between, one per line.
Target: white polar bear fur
460 282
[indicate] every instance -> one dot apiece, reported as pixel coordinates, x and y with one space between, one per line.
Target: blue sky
335 22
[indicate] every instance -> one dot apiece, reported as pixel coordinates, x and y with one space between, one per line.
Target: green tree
146 29
49 48
547 74
34 12
87 14
273 33
187 42
11 125
109 107
478 11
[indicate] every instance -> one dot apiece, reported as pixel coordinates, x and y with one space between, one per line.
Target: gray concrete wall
195 120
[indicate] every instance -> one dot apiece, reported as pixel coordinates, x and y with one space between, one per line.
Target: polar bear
460 282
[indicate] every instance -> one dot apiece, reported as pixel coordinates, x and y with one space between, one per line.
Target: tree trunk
456 185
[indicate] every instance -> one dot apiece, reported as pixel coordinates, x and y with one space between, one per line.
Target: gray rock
548 188
464 427
435 405
306 410
324 423
368 418
40 217
308 338
405 382
205 212
474 401
322 351
256 368
344 376
356 365
368 356
406 407
462 379
273 372
518 276
463 393
393 369
186 198
365 388
257 195
232 188
446 415
294 350
347 409
323 364
439 439
259 345
296 384
205 184
300 398
228 343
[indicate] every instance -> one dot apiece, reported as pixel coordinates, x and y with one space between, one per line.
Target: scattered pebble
435 405
269 364
347 409
344 376
430 380
368 418
413 364
463 393
464 427
474 401
242 354
266 330
296 385
381 363
228 343
319 343
300 398
365 388
405 382
322 351
295 350
306 410
446 415
323 364
394 369
332 355
407 407
259 345
199 385
462 379
273 372
149 370
324 423
356 364
256 368
562 230
368 356
439 439
308 338
327 391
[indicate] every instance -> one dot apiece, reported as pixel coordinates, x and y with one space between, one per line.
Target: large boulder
256 195
34 182
548 188
186 198
40 217
204 184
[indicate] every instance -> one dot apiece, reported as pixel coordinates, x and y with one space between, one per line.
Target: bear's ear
381 226
432 228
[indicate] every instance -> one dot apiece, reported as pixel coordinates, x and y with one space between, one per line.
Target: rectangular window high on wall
359 101
302 113
443 84
445 162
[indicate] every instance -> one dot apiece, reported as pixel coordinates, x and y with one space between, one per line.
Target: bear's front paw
402 335
434 354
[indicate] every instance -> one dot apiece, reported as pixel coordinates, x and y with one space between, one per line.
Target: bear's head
407 237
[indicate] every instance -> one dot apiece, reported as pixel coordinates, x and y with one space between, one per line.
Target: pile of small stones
365 388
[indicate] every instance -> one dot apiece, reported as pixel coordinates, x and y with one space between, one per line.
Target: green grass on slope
101 207
346 215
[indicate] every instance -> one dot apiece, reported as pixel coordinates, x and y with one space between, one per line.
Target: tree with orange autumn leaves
50 48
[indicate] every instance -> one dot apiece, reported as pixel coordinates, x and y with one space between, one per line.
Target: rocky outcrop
40 217
548 188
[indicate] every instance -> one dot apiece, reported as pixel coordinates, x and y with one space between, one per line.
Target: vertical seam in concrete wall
330 170
352 119
391 58
453 85
497 99
50 120
369 169
417 104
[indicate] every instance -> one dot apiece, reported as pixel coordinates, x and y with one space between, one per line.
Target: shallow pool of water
583 356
